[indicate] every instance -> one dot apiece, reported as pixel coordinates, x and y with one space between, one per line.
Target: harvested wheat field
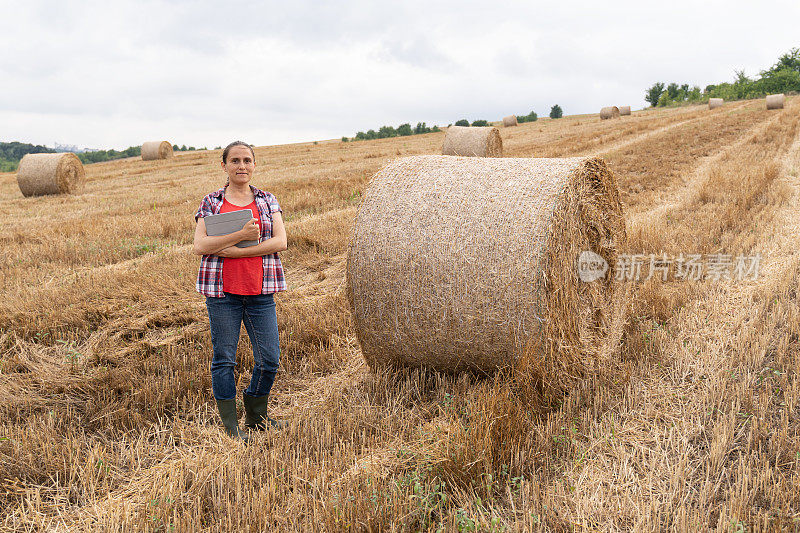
107 422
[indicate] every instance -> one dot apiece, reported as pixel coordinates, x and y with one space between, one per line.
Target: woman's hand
231 251
275 244
250 231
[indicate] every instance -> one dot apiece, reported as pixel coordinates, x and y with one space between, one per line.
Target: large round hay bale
40 174
624 110
609 112
714 103
156 150
473 141
775 101
510 120
463 263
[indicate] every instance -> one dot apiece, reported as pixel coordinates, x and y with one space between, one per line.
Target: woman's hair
236 143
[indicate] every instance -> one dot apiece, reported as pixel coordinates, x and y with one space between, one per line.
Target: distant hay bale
714 103
609 112
40 174
624 110
156 150
510 120
473 141
775 101
463 263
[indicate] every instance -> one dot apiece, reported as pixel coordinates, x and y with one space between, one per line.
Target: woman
239 284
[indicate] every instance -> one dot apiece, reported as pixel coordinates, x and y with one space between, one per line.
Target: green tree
481 122
462 122
404 130
421 128
15 150
673 91
386 131
694 95
654 93
781 81
556 111
743 86
789 60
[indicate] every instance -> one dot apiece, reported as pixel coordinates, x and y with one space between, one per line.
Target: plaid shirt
209 278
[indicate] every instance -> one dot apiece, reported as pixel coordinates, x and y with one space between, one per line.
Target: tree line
384 132
782 77
405 129
12 152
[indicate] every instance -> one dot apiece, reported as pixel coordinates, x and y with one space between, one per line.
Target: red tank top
242 275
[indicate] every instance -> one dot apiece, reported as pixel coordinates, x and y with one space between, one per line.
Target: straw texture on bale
461 263
510 120
40 174
624 110
775 101
609 112
156 150
714 103
473 141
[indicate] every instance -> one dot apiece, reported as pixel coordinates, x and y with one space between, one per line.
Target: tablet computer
227 223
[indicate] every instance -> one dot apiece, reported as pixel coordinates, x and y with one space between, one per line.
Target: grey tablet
227 223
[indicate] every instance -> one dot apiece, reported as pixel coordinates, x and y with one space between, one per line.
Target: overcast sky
114 74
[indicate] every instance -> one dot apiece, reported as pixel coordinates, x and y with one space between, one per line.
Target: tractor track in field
694 179
613 147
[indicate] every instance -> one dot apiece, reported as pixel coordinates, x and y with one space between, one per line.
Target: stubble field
107 421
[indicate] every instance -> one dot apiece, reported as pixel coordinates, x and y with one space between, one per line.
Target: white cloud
198 73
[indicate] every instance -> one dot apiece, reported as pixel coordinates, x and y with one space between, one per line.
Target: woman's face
240 165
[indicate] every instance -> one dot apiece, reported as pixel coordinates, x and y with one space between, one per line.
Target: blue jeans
226 315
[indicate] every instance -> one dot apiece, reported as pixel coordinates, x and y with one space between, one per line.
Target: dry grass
582 135
106 416
652 167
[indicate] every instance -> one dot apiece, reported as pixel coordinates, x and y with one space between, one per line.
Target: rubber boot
227 411
256 417
255 408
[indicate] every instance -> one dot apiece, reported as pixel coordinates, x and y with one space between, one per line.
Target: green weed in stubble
72 354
